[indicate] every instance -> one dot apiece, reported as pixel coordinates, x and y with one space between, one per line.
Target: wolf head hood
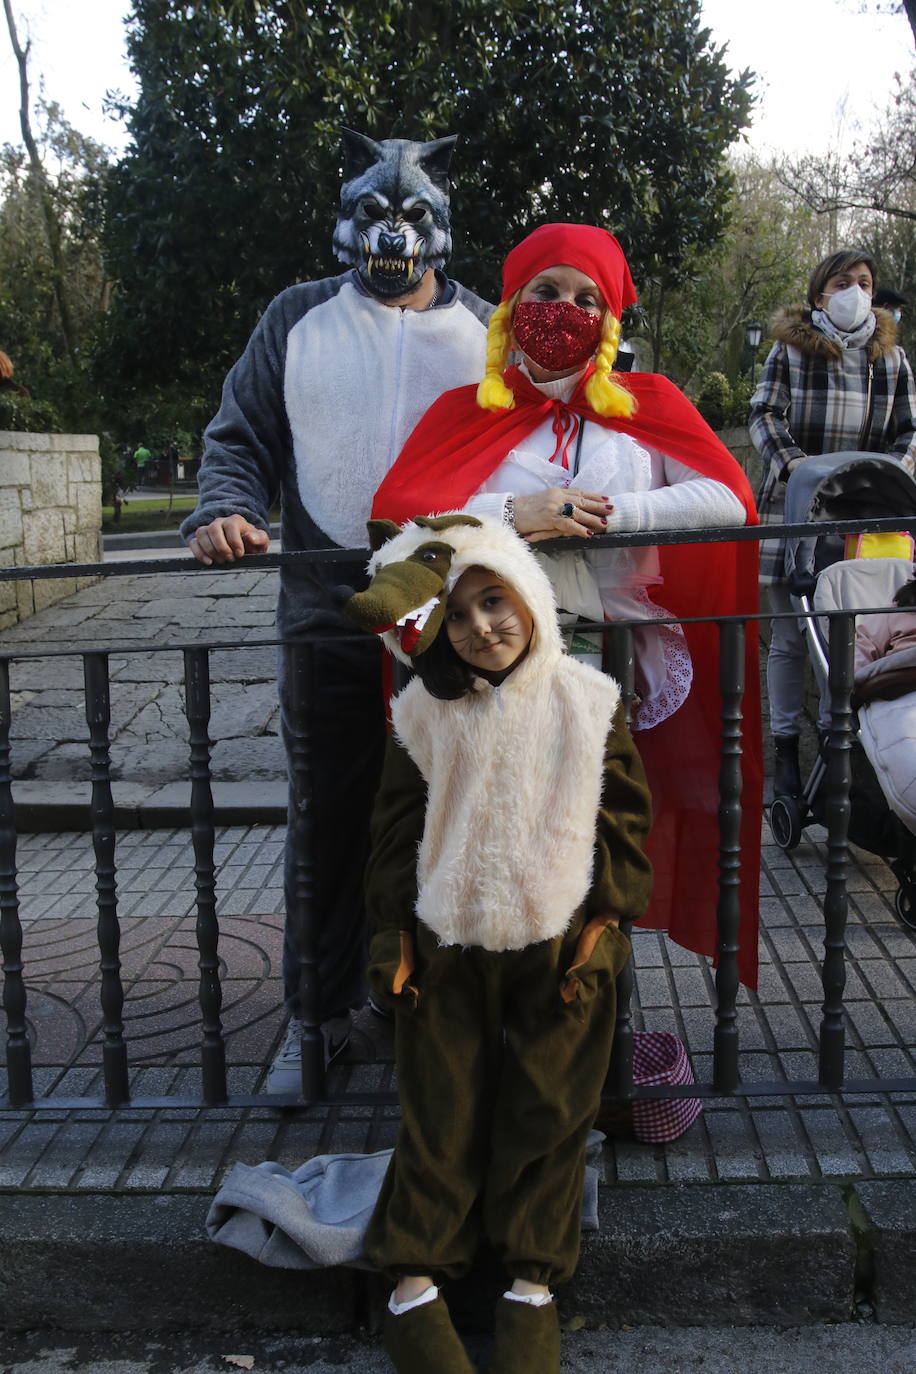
414 568
394 211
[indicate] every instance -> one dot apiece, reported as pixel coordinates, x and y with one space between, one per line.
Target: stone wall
738 443
50 512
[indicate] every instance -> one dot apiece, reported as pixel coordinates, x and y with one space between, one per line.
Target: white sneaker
285 1074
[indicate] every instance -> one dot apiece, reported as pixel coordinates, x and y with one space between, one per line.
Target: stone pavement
139 617
775 1209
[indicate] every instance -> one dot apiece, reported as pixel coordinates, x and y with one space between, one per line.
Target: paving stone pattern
763 1139
146 614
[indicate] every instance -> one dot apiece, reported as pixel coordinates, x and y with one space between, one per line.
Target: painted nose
391 245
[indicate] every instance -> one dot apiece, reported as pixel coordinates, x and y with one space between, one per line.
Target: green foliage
740 403
723 403
26 415
608 111
714 400
53 367
74 171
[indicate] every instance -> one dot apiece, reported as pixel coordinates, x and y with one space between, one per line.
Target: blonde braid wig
605 395
492 393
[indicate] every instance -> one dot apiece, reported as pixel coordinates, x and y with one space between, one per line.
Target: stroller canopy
842 486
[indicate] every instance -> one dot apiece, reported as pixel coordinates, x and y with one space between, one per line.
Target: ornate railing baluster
301 667
203 835
620 661
728 908
98 718
18 1055
838 779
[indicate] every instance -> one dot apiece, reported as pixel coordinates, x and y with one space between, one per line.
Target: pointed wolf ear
436 157
446 522
360 153
380 531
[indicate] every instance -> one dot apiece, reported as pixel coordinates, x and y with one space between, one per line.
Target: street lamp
753 333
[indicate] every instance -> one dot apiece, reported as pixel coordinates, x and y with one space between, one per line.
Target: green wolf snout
407 595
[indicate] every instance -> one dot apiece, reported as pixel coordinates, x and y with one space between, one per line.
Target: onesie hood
415 566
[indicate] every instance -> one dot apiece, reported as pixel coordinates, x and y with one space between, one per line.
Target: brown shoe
423 1341
527 1339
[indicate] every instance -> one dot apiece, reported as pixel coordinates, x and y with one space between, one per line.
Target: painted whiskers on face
487 623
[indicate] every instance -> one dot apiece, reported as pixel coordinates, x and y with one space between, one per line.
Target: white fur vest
515 777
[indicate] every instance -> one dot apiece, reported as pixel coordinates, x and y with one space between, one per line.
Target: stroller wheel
905 905
786 821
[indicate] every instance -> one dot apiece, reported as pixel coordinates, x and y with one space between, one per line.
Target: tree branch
52 225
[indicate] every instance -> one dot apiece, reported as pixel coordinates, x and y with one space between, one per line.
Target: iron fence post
203 835
305 915
98 718
728 908
621 664
18 1054
836 901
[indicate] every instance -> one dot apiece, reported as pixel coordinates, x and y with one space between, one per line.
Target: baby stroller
823 575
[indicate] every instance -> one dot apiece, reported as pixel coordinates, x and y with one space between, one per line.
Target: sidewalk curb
778 1254
52 806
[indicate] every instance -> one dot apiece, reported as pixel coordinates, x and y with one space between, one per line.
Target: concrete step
52 806
682 1255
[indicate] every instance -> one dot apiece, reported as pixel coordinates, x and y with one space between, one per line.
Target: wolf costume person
333 379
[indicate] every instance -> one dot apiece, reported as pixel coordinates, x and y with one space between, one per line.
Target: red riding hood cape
455 448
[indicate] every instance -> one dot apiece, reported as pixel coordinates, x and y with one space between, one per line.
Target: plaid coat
816 397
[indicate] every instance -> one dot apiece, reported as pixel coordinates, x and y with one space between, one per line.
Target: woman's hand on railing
227 538
539 515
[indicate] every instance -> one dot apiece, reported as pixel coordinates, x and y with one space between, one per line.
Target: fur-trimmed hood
415 568
794 327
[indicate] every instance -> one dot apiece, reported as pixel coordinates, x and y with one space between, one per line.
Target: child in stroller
828 572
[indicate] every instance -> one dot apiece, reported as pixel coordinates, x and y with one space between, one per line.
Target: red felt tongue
410 635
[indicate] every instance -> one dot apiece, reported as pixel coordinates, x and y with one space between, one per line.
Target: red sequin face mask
556 334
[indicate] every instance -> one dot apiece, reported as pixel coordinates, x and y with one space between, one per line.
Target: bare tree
880 179
51 221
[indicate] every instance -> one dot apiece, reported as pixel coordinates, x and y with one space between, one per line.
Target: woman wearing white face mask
835 379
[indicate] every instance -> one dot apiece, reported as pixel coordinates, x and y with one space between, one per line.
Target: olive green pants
500 1068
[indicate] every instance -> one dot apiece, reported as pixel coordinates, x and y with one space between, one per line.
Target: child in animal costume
507 846
561 444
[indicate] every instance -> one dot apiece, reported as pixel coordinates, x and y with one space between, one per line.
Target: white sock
532 1299
397 1309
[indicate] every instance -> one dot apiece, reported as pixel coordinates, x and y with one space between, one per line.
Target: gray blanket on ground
317 1216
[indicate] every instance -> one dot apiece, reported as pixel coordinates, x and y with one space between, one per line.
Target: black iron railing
725 1078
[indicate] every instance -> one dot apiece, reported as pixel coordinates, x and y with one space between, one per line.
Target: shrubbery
722 403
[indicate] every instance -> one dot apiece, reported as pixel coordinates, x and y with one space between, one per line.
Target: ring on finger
567 510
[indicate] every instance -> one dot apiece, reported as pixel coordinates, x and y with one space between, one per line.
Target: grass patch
139 516
144 516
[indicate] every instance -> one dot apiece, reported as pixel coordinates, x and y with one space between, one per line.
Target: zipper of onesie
393 446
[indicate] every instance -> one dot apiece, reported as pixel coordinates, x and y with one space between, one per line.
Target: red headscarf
593 251
457 446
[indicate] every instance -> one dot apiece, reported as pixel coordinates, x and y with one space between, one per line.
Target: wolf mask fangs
393 221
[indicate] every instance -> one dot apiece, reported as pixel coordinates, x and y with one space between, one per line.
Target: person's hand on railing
557 511
227 538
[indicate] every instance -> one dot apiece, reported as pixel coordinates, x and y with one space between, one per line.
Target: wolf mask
394 211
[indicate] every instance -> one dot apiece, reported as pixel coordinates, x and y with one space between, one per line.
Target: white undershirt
649 491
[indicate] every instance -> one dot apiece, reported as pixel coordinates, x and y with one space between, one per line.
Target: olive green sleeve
622 876
395 833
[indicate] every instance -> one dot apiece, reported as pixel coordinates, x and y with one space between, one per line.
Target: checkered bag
660 1057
